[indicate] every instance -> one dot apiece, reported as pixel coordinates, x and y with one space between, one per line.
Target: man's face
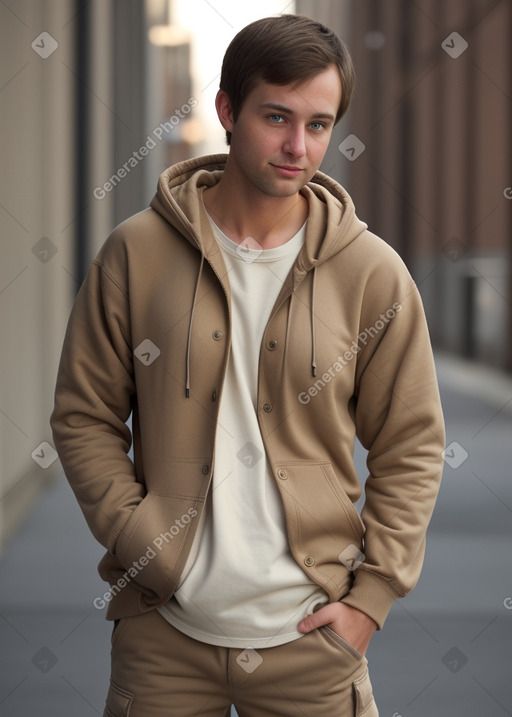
282 132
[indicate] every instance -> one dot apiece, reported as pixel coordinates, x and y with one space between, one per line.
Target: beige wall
37 188
37 206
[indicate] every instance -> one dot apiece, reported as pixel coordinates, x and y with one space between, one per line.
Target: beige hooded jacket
346 352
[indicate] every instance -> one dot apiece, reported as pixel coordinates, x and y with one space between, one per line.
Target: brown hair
281 50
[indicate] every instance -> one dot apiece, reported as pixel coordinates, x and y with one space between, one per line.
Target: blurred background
97 98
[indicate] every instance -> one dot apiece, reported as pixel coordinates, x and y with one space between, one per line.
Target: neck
270 221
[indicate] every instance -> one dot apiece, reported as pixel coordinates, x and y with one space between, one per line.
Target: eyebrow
287 110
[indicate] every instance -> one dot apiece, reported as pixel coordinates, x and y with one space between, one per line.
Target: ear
224 110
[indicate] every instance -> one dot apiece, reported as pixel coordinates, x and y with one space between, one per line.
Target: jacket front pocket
348 506
322 523
150 547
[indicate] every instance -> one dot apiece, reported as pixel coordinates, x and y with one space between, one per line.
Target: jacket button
214 396
282 474
206 469
309 561
267 407
217 335
272 345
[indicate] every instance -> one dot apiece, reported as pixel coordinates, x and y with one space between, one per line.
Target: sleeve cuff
372 595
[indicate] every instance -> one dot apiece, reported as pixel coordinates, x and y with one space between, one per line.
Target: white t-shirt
241 586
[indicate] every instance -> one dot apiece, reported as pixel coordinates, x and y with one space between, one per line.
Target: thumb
316 619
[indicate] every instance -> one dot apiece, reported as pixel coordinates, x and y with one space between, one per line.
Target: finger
311 622
316 619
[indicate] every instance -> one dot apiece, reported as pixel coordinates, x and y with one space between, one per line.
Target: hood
332 221
332 225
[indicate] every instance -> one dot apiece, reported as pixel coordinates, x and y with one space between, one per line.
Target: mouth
287 170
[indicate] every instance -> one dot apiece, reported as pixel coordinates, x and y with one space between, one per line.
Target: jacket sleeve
399 421
93 400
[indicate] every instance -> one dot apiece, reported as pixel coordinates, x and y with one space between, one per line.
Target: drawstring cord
288 324
313 343
191 321
312 314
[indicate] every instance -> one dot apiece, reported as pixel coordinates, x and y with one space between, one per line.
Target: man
252 326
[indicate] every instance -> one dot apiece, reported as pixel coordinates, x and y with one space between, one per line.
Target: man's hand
351 624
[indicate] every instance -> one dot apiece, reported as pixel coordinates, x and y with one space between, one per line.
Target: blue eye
275 118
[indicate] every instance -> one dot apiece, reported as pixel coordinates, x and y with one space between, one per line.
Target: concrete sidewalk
445 651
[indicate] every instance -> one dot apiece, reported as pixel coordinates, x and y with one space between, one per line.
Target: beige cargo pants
157 671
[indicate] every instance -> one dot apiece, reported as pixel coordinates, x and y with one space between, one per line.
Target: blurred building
99 97
430 166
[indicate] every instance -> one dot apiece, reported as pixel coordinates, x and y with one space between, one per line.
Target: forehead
319 93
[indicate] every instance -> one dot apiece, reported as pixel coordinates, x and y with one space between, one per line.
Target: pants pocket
333 637
363 695
118 702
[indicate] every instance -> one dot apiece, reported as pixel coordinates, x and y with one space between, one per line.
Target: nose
295 143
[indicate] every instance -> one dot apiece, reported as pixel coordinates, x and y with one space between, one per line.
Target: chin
287 192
